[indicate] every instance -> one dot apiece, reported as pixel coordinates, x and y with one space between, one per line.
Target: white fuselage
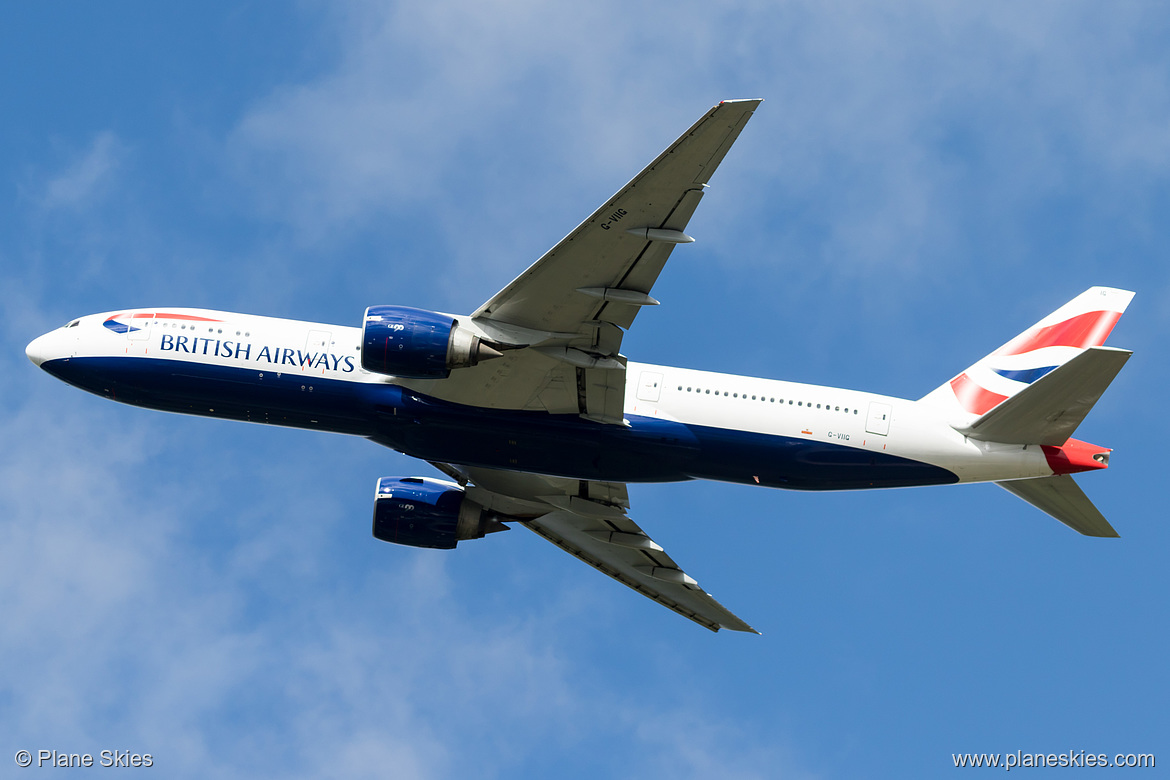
311 361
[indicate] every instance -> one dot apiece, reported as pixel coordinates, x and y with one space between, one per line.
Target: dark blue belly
647 450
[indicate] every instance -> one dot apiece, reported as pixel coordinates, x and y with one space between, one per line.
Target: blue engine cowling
424 512
418 344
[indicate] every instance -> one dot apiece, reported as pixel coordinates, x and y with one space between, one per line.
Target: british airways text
281 356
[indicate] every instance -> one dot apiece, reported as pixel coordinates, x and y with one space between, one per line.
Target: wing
623 246
589 521
562 320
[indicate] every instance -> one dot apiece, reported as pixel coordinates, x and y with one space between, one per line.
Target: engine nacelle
418 344
425 512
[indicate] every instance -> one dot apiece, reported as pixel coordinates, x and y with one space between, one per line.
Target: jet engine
418 344
424 512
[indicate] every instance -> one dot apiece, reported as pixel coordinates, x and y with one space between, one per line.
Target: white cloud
86 178
690 744
444 107
127 626
891 135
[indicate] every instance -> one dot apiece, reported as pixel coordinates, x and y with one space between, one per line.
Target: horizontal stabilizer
1049 410
1062 498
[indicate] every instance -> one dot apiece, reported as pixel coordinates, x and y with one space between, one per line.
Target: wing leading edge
589 521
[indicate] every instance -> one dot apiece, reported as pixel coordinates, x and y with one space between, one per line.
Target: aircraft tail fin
1062 498
1060 339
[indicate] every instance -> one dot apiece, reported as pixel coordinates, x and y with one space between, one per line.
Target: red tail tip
1075 455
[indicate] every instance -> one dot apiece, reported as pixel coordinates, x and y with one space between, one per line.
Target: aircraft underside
647 450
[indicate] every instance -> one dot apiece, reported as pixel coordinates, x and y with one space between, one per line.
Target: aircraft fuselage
681 423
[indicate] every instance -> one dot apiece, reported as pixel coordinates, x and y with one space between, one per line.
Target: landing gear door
649 386
878 420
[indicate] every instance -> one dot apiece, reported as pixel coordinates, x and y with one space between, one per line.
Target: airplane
534 417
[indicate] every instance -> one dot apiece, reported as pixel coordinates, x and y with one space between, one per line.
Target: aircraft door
878 420
318 341
649 386
139 326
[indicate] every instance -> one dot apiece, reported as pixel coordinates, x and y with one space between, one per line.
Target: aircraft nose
40 349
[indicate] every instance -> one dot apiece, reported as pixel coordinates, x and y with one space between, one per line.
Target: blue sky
924 181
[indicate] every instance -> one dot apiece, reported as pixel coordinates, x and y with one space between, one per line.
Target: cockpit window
73 324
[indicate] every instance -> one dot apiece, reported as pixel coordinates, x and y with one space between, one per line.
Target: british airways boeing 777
533 415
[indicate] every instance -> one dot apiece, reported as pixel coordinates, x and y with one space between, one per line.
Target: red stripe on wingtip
1085 330
974 398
